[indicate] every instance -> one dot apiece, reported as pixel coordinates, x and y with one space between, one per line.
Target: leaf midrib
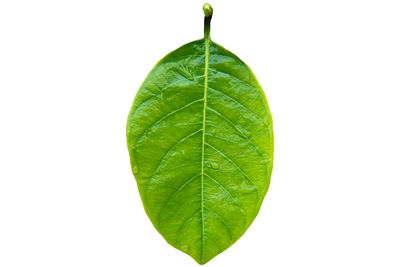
206 62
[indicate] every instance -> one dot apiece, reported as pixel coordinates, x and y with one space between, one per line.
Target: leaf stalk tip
208 10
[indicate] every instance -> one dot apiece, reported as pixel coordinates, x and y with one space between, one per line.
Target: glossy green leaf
201 146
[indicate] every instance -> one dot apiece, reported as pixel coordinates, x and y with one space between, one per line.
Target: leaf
201 146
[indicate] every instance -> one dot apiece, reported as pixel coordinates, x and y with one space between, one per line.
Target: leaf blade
202 146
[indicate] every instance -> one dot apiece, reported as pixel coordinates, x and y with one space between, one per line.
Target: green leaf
201 146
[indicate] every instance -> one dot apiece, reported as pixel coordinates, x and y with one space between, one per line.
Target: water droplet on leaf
135 169
214 165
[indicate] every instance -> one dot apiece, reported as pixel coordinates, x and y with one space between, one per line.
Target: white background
69 71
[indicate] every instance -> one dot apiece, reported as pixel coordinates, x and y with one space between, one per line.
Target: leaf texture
200 141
